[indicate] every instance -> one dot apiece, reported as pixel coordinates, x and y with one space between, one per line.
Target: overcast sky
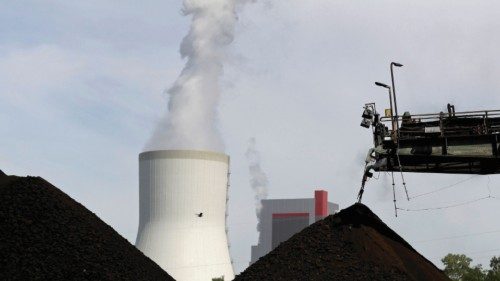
82 85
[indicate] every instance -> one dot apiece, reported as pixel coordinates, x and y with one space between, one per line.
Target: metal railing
438 116
485 115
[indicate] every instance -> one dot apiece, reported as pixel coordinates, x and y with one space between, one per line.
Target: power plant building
182 216
280 219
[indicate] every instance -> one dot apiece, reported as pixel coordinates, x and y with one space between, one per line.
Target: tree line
459 267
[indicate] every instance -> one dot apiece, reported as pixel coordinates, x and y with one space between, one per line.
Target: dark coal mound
46 235
351 245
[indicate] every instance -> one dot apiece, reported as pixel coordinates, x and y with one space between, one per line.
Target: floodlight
365 123
367 113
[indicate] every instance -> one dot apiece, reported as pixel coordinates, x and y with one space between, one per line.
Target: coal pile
46 235
351 245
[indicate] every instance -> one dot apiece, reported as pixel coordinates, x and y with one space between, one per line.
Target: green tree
494 272
458 268
475 273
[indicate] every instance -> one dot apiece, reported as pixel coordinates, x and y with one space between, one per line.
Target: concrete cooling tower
182 217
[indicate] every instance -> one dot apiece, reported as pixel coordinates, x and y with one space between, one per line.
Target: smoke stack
320 204
182 213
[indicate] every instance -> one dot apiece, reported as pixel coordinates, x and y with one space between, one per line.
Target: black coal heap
351 245
46 235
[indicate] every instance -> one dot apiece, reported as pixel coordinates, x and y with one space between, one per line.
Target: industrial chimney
182 217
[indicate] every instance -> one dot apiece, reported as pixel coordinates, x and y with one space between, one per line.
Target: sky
82 87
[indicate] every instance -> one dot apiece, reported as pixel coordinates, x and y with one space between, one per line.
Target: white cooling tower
182 217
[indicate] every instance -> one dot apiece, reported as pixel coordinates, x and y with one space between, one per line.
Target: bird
200 215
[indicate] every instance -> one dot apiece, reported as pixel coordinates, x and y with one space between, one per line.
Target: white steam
258 179
191 120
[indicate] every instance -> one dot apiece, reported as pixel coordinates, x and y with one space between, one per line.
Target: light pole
397 126
394 92
392 137
390 101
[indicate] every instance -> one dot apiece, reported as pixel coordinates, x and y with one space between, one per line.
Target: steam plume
258 179
192 109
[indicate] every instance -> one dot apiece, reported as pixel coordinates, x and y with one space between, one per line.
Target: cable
484 251
488 186
458 236
445 187
447 207
400 168
476 257
394 195
402 176
472 254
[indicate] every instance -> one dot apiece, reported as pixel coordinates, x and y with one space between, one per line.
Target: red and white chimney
320 204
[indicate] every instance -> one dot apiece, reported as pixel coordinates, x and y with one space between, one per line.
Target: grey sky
82 87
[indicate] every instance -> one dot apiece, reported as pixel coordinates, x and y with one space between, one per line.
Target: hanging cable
489 190
446 207
488 186
401 172
444 188
400 168
394 195
484 251
458 236
472 254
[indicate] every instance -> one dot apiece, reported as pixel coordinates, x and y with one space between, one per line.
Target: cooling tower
182 217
